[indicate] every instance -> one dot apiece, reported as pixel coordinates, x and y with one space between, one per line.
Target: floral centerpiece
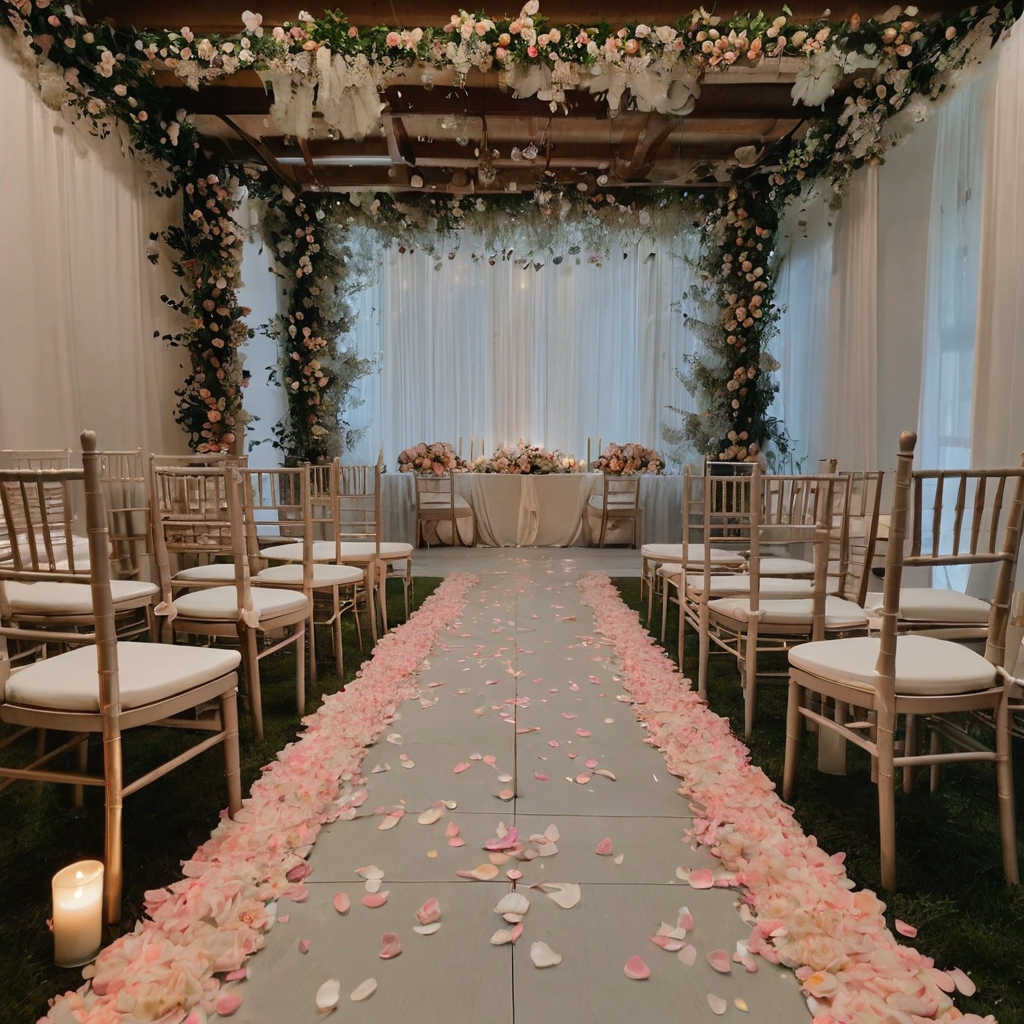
435 459
524 458
629 459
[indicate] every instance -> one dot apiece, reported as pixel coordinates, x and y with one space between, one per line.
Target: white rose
665 33
642 31
530 9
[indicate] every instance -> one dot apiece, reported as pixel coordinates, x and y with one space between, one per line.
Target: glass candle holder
77 913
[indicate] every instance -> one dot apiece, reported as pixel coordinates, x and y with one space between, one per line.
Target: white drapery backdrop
500 353
80 301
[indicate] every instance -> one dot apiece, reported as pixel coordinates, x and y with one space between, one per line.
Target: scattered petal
432 854
718 1004
590 763
513 903
719 960
543 955
408 764
668 943
583 778
483 873
461 767
702 878
390 946
540 778
374 899
429 912
582 732
636 969
364 991
514 874
456 841
964 985
688 954
327 995
303 946
430 815
604 848
741 1004
396 738
390 820
565 894
685 919
552 834
605 774
451 830
905 929
620 858
426 929
342 904
505 777
228 1003
506 794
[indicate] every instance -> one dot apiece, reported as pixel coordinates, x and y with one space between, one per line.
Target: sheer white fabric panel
805 242
997 435
951 304
499 353
80 300
849 428
904 198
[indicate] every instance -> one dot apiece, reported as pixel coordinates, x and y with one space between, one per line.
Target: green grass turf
163 823
949 865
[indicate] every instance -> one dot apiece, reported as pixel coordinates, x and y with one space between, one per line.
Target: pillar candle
77 913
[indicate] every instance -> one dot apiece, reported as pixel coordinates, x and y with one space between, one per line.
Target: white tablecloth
536 510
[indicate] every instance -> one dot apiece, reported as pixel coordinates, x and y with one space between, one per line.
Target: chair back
123 479
621 493
969 517
29 480
36 538
863 506
727 498
35 458
277 506
359 504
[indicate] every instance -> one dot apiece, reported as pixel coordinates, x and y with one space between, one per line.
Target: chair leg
887 797
705 650
750 679
232 770
935 774
681 632
300 666
1004 792
82 765
911 741
251 665
339 653
311 632
113 865
382 576
664 613
793 736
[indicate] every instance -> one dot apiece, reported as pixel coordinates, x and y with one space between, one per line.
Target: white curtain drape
802 293
500 353
80 301
849 426
997 420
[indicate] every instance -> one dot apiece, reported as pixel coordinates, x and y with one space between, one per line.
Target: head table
536 510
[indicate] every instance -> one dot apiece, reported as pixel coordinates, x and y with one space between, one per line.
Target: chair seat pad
929 604
44 598
786 567
694 554
925 665
215 572
355 551
617 503
324 574
146 673
771 586
839 614
220 604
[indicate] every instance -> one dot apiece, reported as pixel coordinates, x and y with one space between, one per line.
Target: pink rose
353 32
393 39
631 46
532 51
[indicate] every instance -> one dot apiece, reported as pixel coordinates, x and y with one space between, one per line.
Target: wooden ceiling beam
636 155
261 151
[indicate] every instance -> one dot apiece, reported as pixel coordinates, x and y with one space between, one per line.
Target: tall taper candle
460 446
472 442
588 454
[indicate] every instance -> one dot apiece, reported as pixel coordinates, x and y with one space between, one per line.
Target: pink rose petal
374 899
905 929
604 848
390 946
451 830
636 969
514 874
582 732
688 954
583 778
303 945
718 1004
591 762
342 904
539 777
429 912
719 960
702 878
460 767
228 1003
456 841
963 983
667 943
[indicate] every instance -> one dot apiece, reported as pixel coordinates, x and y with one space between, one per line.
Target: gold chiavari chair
917 677
436 503
111 687
199 509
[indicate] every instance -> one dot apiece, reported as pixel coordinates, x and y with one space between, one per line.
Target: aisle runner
513 851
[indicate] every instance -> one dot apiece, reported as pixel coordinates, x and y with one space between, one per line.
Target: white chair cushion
324 574
146 673
786 567
772 586
620 502
216 572
44 598
220 604
436 501
355 551
928 604
925 665
79 548
839 614
694 553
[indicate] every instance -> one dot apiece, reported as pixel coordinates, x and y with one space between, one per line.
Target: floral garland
434 459
629 460
212 920
731 378
209 246
800 902
310 251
